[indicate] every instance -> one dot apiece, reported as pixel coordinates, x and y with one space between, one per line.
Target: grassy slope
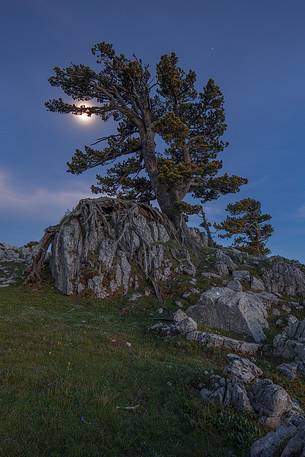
65 366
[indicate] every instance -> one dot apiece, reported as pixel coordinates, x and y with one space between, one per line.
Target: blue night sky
255 50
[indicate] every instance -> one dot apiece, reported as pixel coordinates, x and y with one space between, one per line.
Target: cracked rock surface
14 261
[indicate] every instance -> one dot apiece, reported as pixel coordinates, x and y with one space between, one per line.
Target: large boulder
110 246
270 402
282 276
285 441
239 312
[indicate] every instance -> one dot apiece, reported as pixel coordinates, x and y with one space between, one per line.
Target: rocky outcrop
285 441
231 310
213 340
275 274
290 370
224 265
186 326
285 277
270 402
228 393
14 261
290 344
242 369
242 389
109 246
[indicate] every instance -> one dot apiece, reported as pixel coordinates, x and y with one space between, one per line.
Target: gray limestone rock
212 340
14 262
108 245
289 370
256 284
290 343
242 275
243 390
285 441
270 402
242 369
284 276
184 324
269 444
210 275
164 329
224 265
239 312
235 285
228 392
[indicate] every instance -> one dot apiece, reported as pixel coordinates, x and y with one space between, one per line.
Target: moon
84 118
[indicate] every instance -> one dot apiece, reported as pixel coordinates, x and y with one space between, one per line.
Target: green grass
67 363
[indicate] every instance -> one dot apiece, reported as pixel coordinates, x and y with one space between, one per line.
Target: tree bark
34 275
168 198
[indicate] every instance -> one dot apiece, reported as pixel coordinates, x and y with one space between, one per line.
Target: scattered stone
286 309
224 264
135 296
243 390
192 291
257 284
235 285
164 329
184 324
276 312
292 319
239 312
209 275
242 275
212 340
268 445
290 343
288 369
279 322
228 392
270 402
242 369
285 441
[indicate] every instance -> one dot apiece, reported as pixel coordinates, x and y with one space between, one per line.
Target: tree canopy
145 105
246 225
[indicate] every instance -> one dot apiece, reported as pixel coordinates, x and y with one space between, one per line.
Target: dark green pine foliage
246 224
145 106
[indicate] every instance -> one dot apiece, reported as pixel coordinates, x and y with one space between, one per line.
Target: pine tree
144 107
246 224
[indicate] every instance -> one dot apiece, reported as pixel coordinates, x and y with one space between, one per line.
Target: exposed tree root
34 275
102 218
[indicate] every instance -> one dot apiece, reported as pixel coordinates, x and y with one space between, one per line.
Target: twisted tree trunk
34 275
